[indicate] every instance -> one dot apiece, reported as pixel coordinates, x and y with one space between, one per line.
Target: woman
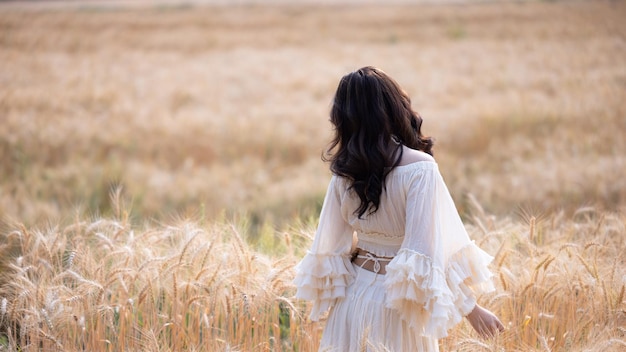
414 272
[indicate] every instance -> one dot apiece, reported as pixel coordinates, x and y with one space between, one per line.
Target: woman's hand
484 322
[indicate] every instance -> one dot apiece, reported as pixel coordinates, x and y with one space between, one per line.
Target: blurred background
220 108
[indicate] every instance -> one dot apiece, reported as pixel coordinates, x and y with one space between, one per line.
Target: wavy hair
372 119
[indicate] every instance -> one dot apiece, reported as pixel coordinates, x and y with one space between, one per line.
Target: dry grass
105 284
226 107
208 113
561 282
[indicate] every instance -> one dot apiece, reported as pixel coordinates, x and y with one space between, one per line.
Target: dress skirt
361 322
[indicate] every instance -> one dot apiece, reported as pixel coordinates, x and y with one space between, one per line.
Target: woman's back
382 232
415 272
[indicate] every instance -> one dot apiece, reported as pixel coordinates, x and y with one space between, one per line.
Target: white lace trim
323 278
382 237
432 299
378 249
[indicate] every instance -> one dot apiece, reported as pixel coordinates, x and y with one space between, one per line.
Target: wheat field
160 170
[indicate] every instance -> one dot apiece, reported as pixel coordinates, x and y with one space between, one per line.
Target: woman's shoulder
412 156
414 162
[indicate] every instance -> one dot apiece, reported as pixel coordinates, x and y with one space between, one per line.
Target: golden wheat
173 295
113 119
122 293
171 102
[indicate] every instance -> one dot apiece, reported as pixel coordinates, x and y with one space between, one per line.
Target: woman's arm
484 322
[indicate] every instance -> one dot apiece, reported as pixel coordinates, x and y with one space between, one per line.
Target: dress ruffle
322 278
378 250
432 299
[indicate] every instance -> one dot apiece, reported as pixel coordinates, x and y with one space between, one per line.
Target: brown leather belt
371 262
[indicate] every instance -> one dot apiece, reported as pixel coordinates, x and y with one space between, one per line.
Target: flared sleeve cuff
468 269
430 299
323 278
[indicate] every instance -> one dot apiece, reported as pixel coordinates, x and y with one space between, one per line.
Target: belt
371 262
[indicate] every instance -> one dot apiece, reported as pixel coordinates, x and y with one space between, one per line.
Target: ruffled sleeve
436 275
325 271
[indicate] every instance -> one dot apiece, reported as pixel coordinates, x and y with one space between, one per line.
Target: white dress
430 285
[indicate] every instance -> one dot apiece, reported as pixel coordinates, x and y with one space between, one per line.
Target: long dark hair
370 112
